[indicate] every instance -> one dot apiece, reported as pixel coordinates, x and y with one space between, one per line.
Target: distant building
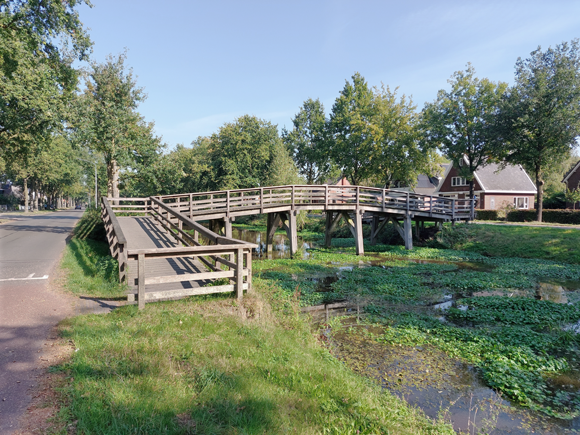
572 181
495 186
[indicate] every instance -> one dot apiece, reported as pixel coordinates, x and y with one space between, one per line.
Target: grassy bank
90 270
213 365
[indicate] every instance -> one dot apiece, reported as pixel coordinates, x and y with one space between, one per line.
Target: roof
501 178
571 171
511 178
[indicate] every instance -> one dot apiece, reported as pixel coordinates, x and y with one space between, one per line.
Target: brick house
572 181
494 186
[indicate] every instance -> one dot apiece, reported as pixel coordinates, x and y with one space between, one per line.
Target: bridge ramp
145 233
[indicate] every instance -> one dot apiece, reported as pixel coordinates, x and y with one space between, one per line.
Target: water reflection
280 244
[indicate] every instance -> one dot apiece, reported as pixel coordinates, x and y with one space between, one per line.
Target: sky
205 63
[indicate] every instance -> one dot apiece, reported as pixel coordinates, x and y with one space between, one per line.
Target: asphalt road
30 247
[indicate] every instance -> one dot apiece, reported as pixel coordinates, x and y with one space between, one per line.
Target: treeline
53 135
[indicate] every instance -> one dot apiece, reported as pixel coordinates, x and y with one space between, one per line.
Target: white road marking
25 279
30 276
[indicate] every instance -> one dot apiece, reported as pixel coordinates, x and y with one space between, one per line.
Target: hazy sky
204 63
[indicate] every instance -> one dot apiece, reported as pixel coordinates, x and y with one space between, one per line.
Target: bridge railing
115 238
129 206
315 197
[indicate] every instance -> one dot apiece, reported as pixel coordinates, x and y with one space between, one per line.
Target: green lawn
526 242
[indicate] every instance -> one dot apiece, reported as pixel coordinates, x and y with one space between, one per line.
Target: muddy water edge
448 336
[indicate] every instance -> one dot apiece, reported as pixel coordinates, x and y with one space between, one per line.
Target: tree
307 142
108 120
248 153
398 154
540 115
573 196
36 75
462 121
352 130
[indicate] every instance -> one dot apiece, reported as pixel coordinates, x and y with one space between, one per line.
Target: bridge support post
272 226
289 224
331 223
374 229
358 237
408 232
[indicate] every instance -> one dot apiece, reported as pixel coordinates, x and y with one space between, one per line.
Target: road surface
30 247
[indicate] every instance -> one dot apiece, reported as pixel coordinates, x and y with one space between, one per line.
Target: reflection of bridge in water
165 230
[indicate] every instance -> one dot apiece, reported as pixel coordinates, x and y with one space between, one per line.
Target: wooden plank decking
144 233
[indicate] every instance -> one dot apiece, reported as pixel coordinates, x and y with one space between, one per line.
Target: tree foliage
540 115
36 74
398 155
248 153
462 121
352 130
108 121
307 142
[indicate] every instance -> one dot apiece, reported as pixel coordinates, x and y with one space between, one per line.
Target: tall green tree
462 121
248 153
39 39
399 155
307 142
540 116
352 130
109 122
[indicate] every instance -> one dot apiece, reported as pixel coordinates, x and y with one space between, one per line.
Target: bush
91 226
551 216
486 215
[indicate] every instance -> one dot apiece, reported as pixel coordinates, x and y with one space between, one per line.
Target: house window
459 181
521 202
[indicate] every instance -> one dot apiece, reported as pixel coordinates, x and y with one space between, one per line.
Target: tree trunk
112 179
35 204
540 187
26 195
471 188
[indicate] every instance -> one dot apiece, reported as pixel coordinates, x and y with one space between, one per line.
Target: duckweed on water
516 344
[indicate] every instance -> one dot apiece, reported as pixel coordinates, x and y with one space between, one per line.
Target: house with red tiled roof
494 185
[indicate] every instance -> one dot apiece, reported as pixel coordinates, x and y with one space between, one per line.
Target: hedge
486 215
553 216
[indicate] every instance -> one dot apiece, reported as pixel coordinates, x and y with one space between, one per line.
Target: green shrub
552 216
486 215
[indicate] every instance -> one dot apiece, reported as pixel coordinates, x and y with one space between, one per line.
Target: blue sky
204 63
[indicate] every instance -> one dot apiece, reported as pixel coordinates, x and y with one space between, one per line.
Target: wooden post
191 205
360 250
325 197
374 227
291 228
430 205
472 210
261 200
453 211
273 221
122 259
384 201
249 269
327 227
417 229
240 273
141 280
408 230
228 226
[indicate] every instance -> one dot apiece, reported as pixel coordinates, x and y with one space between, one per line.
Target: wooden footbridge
164 252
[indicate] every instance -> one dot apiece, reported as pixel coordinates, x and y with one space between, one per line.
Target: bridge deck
144 233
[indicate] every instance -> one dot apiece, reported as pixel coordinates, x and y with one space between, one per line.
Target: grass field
556 244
